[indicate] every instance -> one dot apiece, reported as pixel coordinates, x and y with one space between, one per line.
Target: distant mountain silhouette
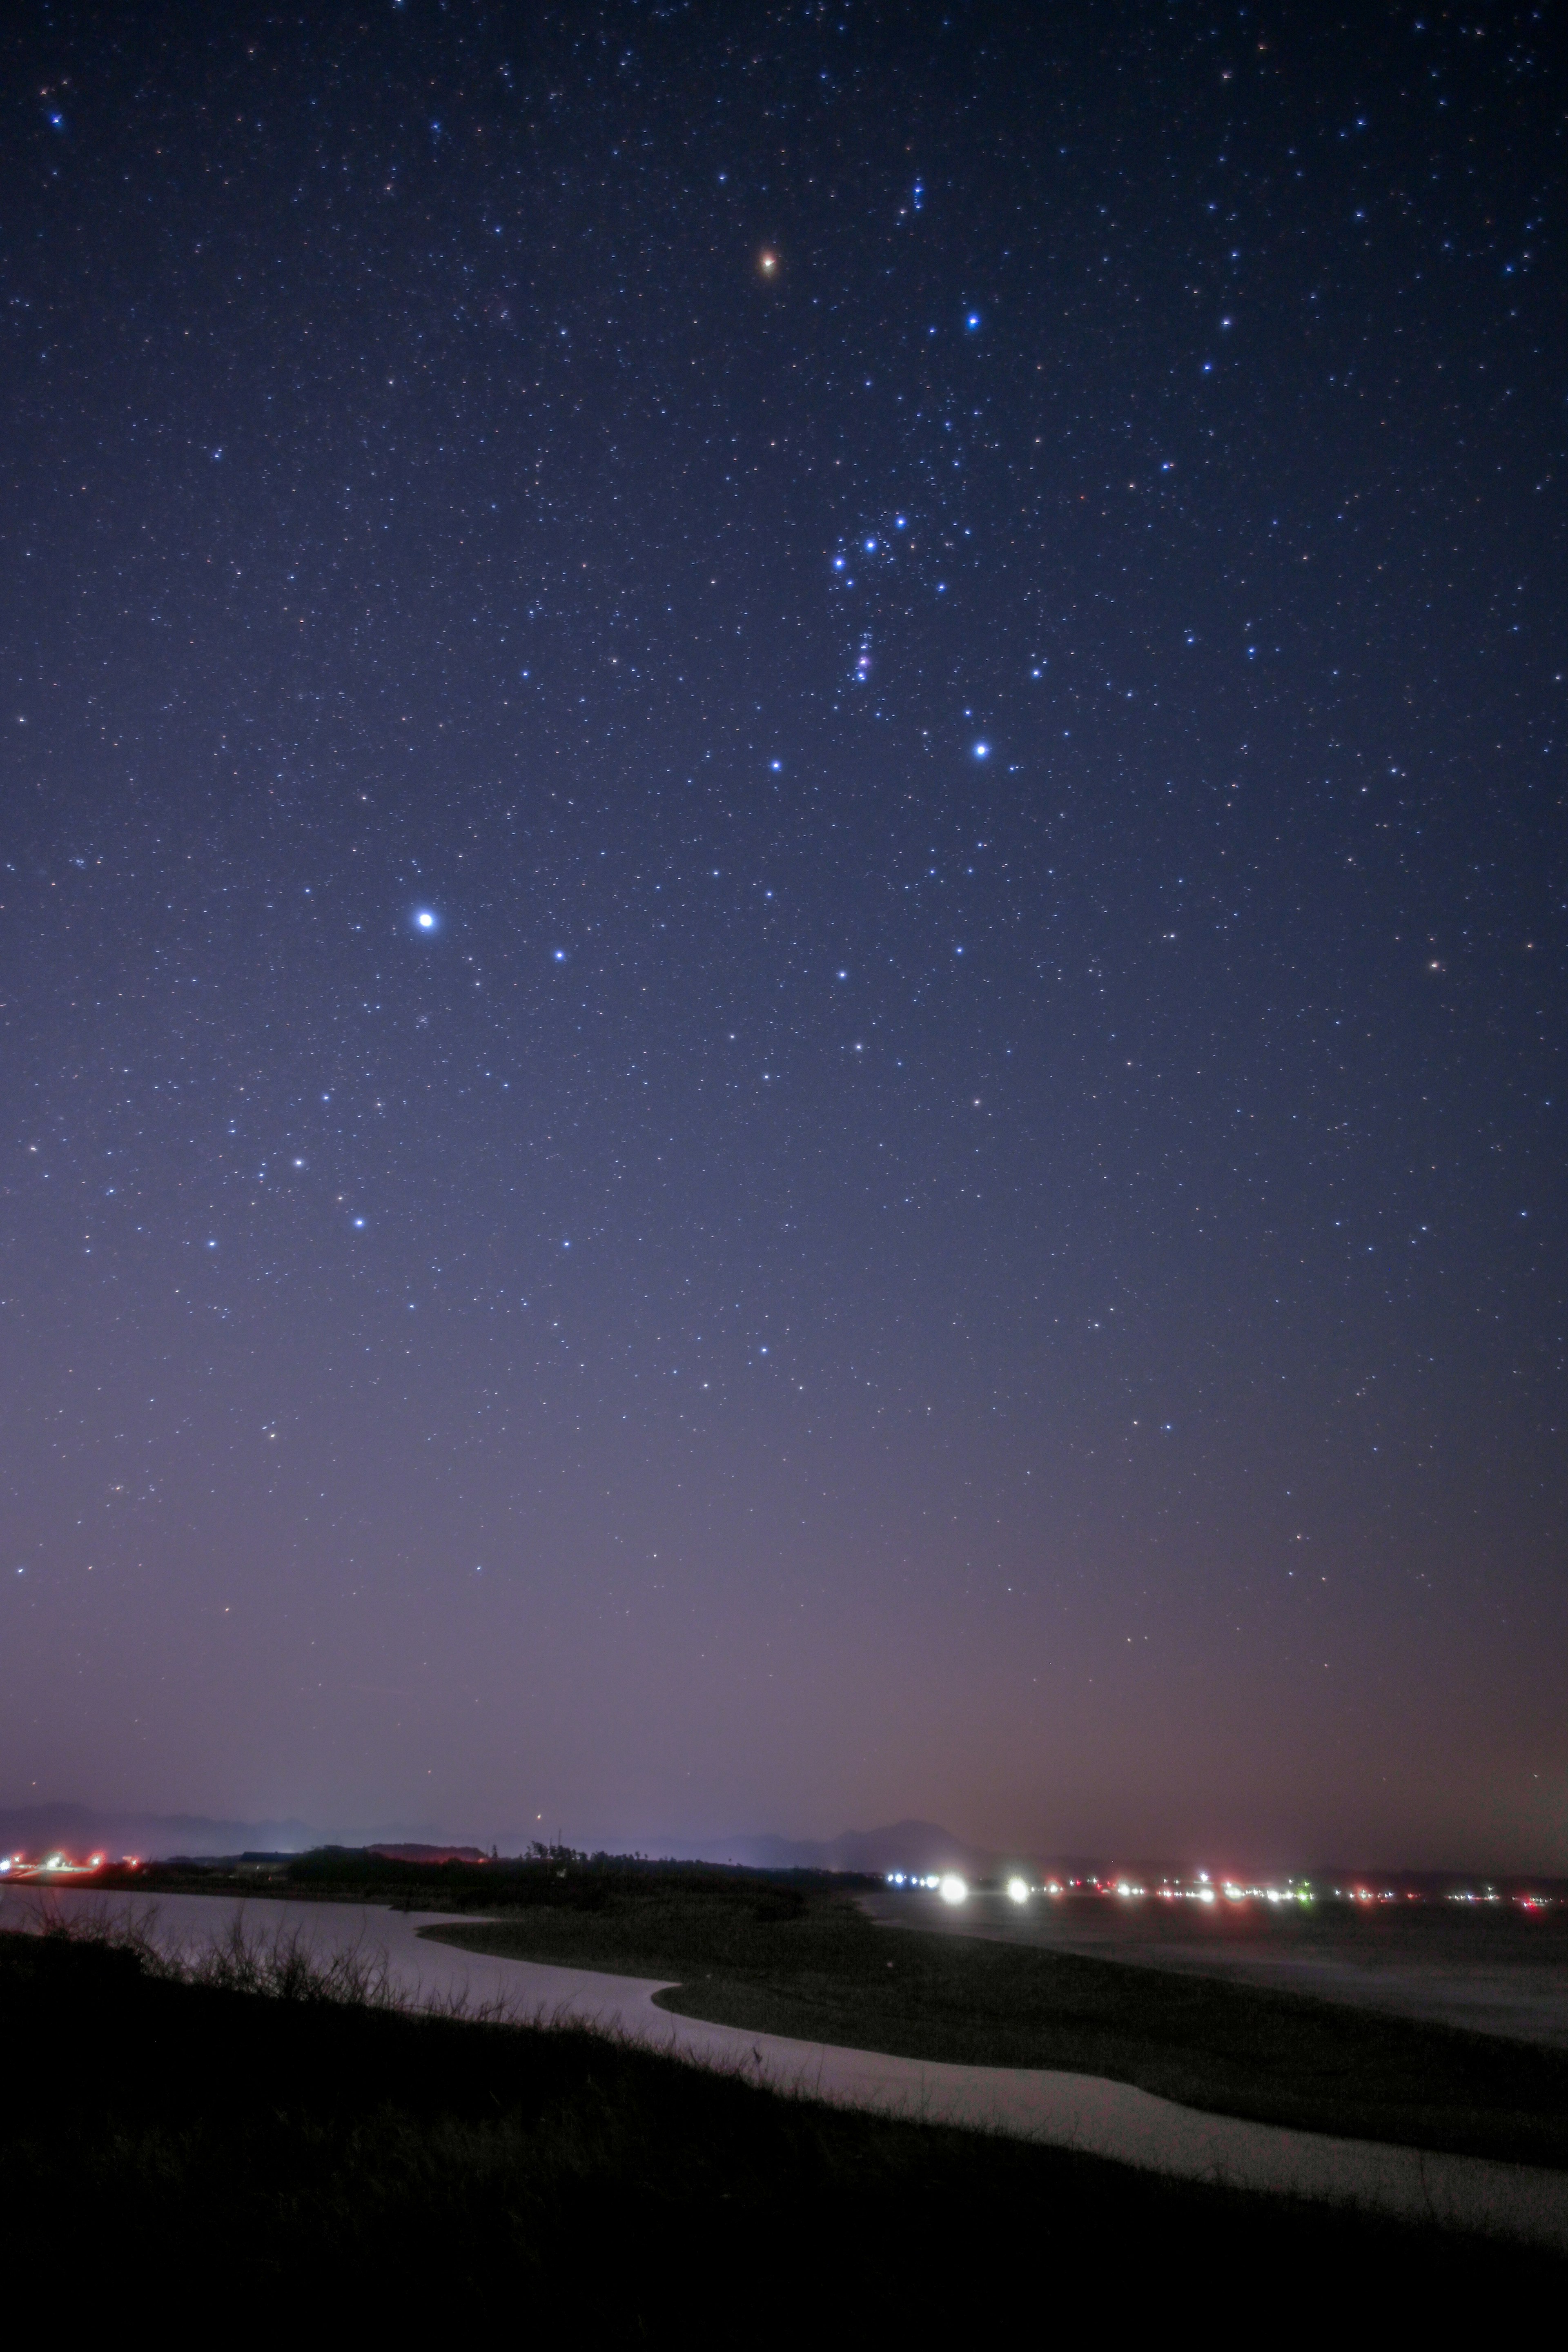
81 1829
900 1845
420 1853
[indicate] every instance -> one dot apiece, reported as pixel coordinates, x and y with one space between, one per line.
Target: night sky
782 841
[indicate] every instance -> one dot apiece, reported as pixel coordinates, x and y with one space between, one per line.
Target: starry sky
782 866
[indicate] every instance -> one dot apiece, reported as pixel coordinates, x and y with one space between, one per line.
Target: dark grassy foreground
233 2156
805 1961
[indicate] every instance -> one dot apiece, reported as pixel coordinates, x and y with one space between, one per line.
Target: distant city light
1199 1888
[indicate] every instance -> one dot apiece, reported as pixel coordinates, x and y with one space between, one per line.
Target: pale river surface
1078 2111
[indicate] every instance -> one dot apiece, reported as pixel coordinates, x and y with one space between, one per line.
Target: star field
782 853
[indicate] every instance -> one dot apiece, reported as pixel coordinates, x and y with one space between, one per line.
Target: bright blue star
983 751
427 920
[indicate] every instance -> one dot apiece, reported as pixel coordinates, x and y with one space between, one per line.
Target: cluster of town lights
59 1865
954 1889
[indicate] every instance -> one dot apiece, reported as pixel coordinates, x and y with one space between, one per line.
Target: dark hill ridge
81 1829
417 1853
900 1845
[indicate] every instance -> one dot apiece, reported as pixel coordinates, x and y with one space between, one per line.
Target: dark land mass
436 1878
804 1960
176 2139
